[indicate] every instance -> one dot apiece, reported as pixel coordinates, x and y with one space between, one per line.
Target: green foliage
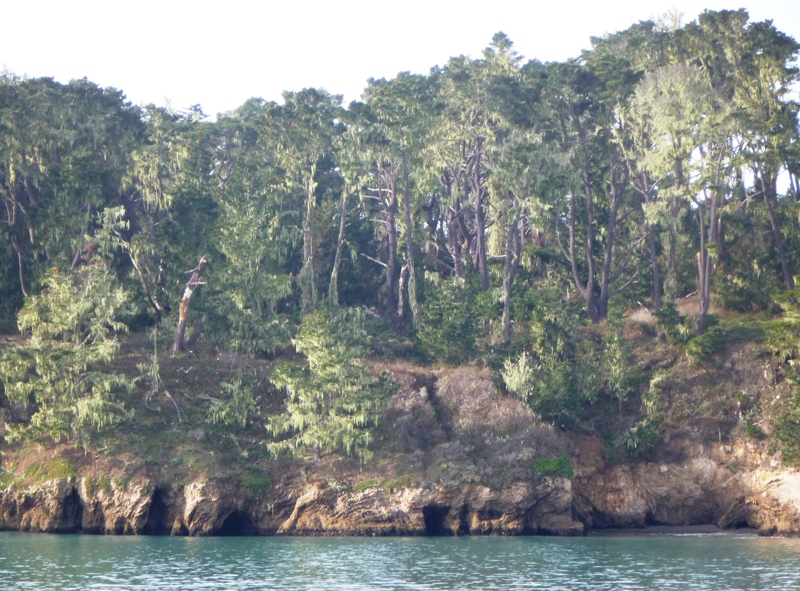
787 432
619 375
257 484
782 336
365 485
676 328
234 411
448 324
387 485
719 337
563 372
52 470
560 466
101 482
9 480
333 401
755 431
641 438
61 369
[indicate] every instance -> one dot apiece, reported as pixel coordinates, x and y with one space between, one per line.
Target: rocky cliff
733 485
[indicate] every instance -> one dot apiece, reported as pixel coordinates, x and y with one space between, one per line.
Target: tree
302 131
64 150
332 402
62 370
582 99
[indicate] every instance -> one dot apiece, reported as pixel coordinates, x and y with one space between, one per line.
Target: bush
641 438
448 325
677 329
257 484
718 337
72 328
787 432
332 401
560 466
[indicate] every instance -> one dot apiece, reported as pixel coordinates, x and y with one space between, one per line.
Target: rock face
214 507
726 485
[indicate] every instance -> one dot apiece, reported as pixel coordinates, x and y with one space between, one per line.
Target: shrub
448 325
257 484
234 411
9 480
332 401
718 337
72 328
641 438
677 329
560 466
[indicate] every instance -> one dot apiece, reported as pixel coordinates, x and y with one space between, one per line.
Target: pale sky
219 54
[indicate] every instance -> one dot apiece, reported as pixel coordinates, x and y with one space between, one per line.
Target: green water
64 562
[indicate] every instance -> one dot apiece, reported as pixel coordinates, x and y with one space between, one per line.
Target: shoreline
676 530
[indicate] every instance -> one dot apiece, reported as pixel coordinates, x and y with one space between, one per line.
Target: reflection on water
65 562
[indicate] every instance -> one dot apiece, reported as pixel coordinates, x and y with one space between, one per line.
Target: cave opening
157 518
237 523
435 517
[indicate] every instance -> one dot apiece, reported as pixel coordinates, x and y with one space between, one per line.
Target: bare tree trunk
333 288
412 282
401 292
196 332
389 199
478 187
188 292
21 264
671 284
512 259
307 277
769 190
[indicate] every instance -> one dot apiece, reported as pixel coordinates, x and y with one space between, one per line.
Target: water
63 562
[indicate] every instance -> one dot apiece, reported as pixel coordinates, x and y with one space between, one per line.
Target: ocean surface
659 562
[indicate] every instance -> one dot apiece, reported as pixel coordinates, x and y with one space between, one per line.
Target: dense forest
498 212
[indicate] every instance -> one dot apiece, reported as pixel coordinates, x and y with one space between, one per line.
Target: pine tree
61 370
332 401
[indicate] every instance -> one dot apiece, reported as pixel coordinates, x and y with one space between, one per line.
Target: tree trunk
671 283
188 292
389 199
513 251
478 187
333 288
769 190
308 286
412 283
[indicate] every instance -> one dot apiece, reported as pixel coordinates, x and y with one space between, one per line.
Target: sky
180 53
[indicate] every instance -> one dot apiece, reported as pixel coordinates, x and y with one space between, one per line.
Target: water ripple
696 563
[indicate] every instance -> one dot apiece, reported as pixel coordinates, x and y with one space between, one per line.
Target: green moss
101 482
9 480
755 431
560 466
52 470
122 482
257 484
365 485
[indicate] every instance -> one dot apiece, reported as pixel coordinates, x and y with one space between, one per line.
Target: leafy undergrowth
442 427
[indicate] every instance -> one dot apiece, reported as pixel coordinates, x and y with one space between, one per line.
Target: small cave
237 523
158 516
435 517
72 518
463 521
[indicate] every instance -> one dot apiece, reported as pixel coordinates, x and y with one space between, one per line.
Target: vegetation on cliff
605 241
